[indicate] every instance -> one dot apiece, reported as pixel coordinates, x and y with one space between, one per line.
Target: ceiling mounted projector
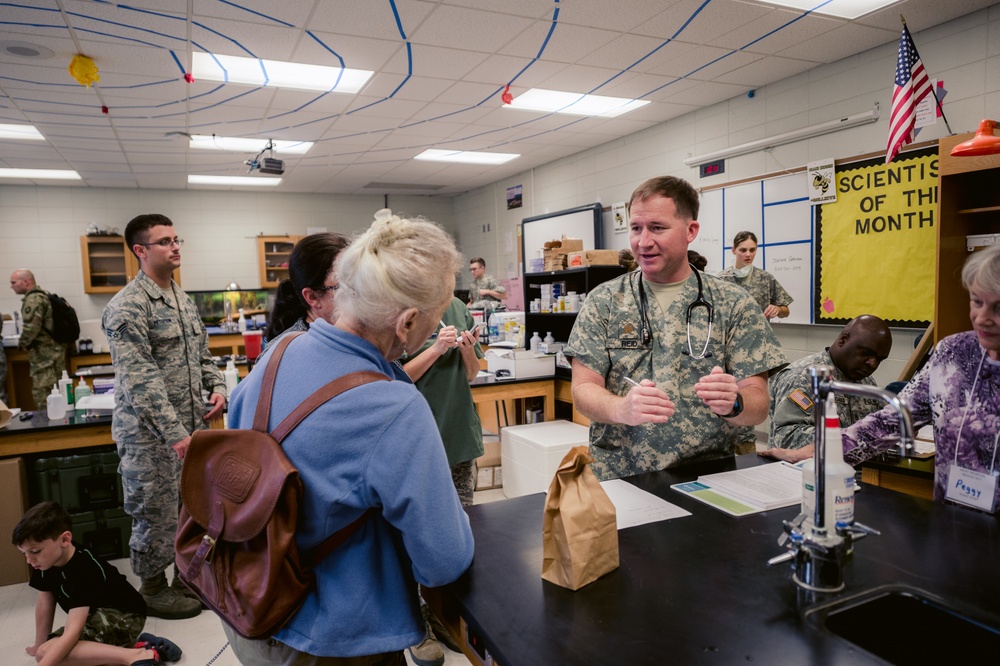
272 165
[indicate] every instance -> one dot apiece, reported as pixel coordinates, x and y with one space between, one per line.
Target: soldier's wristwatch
737 408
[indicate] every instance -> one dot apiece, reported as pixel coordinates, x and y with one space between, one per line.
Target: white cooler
530 454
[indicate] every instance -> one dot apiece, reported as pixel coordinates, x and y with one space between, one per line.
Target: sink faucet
819 552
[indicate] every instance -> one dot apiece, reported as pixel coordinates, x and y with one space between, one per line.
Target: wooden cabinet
581 280
968 204
108 265
273 253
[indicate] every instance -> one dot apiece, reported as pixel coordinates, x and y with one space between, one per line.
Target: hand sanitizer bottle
81 391
242 323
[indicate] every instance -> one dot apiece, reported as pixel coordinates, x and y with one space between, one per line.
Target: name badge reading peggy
976 489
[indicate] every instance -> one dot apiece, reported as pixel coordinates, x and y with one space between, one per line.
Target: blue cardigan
374 446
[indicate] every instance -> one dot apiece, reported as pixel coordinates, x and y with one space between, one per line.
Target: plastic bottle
66 389
839 487
232 377
241 324
548 338
56 404
494 327
81 391
535 341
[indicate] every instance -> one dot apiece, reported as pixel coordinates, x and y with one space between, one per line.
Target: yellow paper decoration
83 70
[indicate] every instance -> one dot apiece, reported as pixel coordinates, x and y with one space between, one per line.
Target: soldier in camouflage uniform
485 290
46 357
692 397
765 289
858 351
159 348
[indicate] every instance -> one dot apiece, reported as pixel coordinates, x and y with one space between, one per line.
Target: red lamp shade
984 143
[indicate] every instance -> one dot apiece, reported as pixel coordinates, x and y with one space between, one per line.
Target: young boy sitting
104 612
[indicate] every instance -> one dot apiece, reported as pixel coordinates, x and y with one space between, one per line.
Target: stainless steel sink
904 625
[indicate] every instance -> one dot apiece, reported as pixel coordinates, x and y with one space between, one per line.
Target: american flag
911 86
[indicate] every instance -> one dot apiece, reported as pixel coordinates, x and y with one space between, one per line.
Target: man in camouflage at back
685 408
857 352
159 348
46 357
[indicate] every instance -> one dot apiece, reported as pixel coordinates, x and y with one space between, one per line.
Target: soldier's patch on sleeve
800 399
116 333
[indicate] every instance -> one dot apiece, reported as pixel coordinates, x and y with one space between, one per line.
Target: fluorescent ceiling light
39 174
241 145
788 137
578 104
254 72
249 181
20 132
465 156
848 9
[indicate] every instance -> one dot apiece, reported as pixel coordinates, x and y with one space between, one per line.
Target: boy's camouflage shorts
111 627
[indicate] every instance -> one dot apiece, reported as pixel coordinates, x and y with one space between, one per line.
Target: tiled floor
200 638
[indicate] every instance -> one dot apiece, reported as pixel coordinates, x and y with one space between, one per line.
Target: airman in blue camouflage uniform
46 357
159 348
697 383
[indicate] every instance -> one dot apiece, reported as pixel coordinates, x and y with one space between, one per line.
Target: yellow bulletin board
877 244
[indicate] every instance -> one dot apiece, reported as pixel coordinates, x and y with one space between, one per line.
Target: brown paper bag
579 532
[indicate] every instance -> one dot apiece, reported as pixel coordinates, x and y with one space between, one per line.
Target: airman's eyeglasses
166 242
328 288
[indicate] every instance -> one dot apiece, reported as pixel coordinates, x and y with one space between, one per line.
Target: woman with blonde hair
375 446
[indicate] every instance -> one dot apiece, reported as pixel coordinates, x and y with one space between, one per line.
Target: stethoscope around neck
645 330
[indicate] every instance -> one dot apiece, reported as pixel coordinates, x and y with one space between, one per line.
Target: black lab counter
696 590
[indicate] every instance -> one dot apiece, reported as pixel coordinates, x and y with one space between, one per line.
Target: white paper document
750 490
634 506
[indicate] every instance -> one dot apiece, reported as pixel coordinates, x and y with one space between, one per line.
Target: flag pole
933 88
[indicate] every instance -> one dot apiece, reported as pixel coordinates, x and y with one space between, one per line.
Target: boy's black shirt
87 580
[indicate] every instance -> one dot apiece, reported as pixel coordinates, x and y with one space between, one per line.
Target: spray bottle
839 487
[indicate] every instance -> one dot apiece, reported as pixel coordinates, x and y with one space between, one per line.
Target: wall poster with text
877 244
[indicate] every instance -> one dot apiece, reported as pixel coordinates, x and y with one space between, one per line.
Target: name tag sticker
976 489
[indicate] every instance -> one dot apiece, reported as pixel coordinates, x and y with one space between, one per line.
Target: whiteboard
777 210
583 222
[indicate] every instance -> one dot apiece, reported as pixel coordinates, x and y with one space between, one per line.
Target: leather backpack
241 496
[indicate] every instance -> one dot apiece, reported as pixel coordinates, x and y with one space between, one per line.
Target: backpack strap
263 413
321 396
330 544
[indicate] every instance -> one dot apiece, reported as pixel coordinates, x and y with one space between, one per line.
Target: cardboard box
531 454
556 251
489 478
13 504
491 453
592 258
520 363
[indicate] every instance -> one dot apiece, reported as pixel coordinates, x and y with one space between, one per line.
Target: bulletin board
778 212
877 244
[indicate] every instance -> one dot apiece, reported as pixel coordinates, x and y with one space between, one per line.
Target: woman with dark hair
770 296
309 291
